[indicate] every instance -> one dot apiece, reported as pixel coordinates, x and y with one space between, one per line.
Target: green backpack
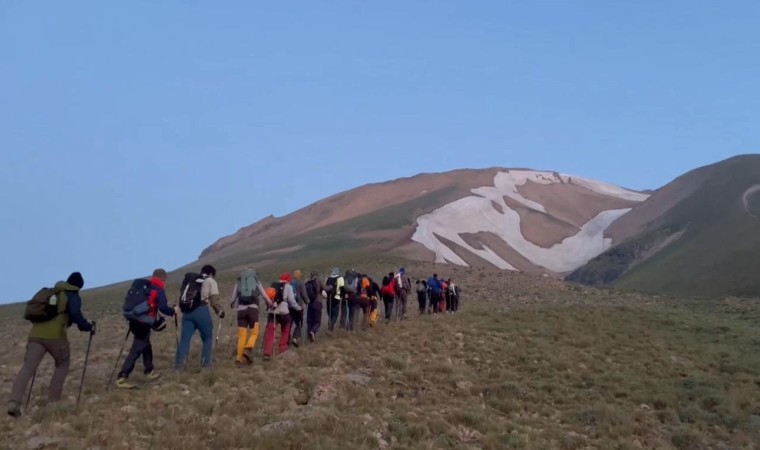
248 287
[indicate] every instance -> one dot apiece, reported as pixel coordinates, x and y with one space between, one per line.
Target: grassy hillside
717 252
527 363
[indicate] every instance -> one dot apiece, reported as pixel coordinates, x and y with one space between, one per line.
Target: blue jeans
198 319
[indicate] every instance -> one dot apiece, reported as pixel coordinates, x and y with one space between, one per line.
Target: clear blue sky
134 134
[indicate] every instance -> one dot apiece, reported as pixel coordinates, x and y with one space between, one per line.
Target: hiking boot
311 336
14 410
122 383
294 342
248 356
152 375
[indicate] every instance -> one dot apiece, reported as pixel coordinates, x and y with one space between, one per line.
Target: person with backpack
454 293
434 286
196 315
375 294
351 289
51 311
363 301
279 314
403 287
334 288
388 292
141 325
315 293
245 297
421 295
297 316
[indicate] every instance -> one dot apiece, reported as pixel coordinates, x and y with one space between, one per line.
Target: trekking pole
84 369
29 395
176 329
117 360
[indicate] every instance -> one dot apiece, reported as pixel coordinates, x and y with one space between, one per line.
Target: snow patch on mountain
476 213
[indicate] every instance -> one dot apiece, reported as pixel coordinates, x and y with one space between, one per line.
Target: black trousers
140 347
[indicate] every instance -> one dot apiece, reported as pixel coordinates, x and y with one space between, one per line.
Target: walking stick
84 370
29 395
117 360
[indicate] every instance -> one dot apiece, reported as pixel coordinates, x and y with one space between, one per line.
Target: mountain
698 235
515 219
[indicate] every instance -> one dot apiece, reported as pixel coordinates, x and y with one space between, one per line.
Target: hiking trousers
140 347
314 316
35 350
455 303
402 297
272 321
352 304
296 323
422 301
199 319
247 318
448 301
388 302
333 310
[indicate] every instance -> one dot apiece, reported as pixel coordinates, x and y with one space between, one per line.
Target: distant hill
698 235
515 219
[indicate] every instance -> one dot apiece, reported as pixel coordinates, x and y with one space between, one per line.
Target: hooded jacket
157 299
69 312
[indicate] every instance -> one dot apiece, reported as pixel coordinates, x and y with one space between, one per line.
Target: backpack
365 288
330 285
421 288
279 289
190 292
248 287
296 295
351 282
311 290
43 306
136 306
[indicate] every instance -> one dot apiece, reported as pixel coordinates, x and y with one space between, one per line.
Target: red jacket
157 299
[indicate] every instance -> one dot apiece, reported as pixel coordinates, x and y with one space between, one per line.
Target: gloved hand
221 314
94 327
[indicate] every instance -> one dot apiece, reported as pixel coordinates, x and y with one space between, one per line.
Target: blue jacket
434 285
74 310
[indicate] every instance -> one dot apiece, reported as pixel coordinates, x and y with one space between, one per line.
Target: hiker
351 288
334 289
141 329
421 295
49 336
454 292
434 287
297 316
199 319
278 312
245 297
363 302
445 295
315 293
373 300
388 292
403 287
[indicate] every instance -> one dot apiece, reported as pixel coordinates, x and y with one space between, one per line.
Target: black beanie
75 279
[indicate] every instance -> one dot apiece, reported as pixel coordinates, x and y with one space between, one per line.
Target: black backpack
190 292
43 306
279 288
136 306
311 290
330 285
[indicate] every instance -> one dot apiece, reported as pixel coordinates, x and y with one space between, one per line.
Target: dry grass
528 363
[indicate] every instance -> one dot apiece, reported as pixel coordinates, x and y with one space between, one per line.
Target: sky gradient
134 134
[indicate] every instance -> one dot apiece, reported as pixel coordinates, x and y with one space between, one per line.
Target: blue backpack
136 306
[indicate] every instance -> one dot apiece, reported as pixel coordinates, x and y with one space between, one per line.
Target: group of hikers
290 303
